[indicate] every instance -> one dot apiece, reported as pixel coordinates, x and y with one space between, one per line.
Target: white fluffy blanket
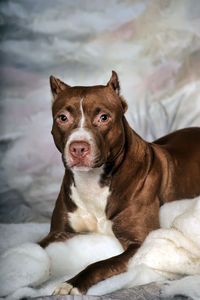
172 252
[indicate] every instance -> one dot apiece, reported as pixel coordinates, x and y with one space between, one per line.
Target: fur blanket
169 256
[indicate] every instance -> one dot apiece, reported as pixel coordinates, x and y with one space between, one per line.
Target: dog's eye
104 118
62 117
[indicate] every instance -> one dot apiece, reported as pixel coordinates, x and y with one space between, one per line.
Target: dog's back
183 149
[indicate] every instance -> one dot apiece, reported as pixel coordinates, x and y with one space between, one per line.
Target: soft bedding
169 253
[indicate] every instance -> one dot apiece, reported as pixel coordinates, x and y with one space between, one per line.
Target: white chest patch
91 200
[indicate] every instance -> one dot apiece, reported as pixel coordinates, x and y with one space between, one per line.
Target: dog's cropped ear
57 86
114 84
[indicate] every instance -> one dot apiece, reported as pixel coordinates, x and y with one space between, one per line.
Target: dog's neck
84 179
135 148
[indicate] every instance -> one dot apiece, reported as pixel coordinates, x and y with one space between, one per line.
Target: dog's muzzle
79 152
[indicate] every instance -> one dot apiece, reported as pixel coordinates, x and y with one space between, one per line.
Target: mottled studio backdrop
154 45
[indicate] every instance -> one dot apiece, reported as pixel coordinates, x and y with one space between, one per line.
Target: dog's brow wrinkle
69 108
97 110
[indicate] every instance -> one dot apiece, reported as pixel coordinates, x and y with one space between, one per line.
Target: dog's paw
66 289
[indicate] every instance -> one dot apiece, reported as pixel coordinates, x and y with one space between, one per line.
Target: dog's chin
82 167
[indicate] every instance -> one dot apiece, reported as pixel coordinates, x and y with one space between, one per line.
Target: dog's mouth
79 164
82 166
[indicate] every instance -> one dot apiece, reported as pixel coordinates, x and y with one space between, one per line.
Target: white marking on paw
63 289
75 291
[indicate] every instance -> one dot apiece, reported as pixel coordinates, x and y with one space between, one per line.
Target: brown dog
114 181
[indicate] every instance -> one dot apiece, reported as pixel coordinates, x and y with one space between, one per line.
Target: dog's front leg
97 272
60 229
56 236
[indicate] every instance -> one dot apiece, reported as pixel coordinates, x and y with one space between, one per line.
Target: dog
114 182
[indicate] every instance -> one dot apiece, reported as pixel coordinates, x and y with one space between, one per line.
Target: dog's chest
91 200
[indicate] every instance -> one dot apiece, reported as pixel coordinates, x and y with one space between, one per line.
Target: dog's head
88 122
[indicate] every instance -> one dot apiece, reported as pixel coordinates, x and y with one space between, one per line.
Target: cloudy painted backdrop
153 45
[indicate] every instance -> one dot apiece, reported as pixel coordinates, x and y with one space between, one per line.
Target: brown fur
141 176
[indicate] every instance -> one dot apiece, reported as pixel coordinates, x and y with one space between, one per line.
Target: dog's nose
79 149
